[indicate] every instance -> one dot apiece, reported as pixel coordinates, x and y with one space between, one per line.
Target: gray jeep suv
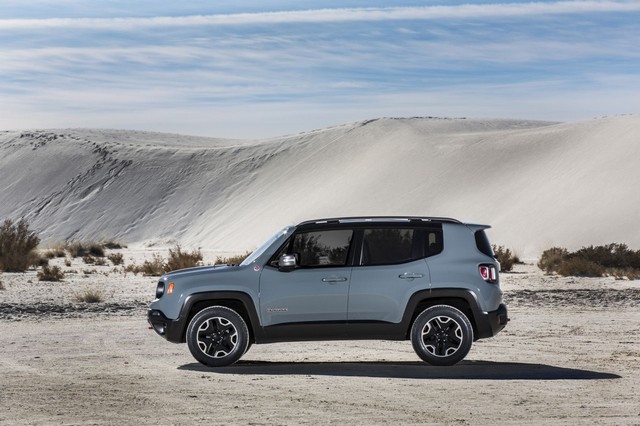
430 280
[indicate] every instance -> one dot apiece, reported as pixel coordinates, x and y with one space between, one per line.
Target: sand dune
538 183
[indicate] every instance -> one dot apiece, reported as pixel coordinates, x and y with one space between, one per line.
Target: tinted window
482 242
382 246
322 248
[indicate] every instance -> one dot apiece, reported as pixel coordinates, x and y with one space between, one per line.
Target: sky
258 69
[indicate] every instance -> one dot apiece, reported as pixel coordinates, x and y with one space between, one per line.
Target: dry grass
89 296
53 273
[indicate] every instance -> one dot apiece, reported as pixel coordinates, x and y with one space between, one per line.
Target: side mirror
287 262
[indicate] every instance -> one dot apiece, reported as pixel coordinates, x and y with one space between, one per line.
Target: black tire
217 336
442 335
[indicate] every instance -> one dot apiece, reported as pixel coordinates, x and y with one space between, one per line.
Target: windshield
265 246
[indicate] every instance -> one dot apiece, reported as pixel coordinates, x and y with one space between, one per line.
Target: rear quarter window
483 244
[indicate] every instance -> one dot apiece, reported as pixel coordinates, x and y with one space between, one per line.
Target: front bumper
491 323
172 330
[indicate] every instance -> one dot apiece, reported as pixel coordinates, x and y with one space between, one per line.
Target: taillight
488 273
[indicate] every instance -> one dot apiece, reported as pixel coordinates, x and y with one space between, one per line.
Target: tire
442 335
217 336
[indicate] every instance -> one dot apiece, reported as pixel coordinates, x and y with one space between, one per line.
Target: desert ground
570 355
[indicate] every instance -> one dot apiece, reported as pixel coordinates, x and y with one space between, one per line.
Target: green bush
179 259
53 273
17 243
505 257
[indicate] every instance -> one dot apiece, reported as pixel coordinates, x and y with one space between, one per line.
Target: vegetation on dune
614 259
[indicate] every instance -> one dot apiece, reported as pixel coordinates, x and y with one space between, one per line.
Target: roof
377 219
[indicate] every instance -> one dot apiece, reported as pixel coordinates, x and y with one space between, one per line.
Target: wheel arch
461 299
239 301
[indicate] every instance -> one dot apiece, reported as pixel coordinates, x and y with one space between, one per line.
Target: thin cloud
465 11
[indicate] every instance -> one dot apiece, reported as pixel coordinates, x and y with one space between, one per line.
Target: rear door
391 267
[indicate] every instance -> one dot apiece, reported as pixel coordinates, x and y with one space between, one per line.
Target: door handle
334 279
410 276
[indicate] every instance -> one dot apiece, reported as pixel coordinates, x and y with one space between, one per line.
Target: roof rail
379 219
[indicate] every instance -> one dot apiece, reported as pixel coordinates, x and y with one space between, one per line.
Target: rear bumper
491 323
172 330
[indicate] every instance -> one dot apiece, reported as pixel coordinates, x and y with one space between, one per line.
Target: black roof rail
379 219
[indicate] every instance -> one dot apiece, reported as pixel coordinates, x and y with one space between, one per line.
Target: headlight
160 289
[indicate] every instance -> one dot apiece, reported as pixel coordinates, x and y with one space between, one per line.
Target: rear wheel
442 335
217 336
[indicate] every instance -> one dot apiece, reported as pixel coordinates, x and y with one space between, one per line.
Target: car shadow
465 370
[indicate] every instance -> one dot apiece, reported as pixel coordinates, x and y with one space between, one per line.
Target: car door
391 267
315 291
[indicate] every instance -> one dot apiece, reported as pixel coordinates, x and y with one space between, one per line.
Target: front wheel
217 336
442 335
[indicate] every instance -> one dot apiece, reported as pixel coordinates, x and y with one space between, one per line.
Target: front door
316 291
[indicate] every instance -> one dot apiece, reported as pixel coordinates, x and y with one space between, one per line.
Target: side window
322 248
434 242
387 246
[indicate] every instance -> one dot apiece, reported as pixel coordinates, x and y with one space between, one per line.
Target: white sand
539 184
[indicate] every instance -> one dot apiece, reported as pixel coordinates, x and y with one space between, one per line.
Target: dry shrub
505 257
53 273
552 258
36 260
89 260
1 285
55 252
112 245
624 273
579 267
83 249
593 261
99 261
89 296
89 271
116 258
233 260
67 262
17 243
154 267
179 259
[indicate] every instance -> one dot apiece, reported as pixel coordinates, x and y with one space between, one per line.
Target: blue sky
251 69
